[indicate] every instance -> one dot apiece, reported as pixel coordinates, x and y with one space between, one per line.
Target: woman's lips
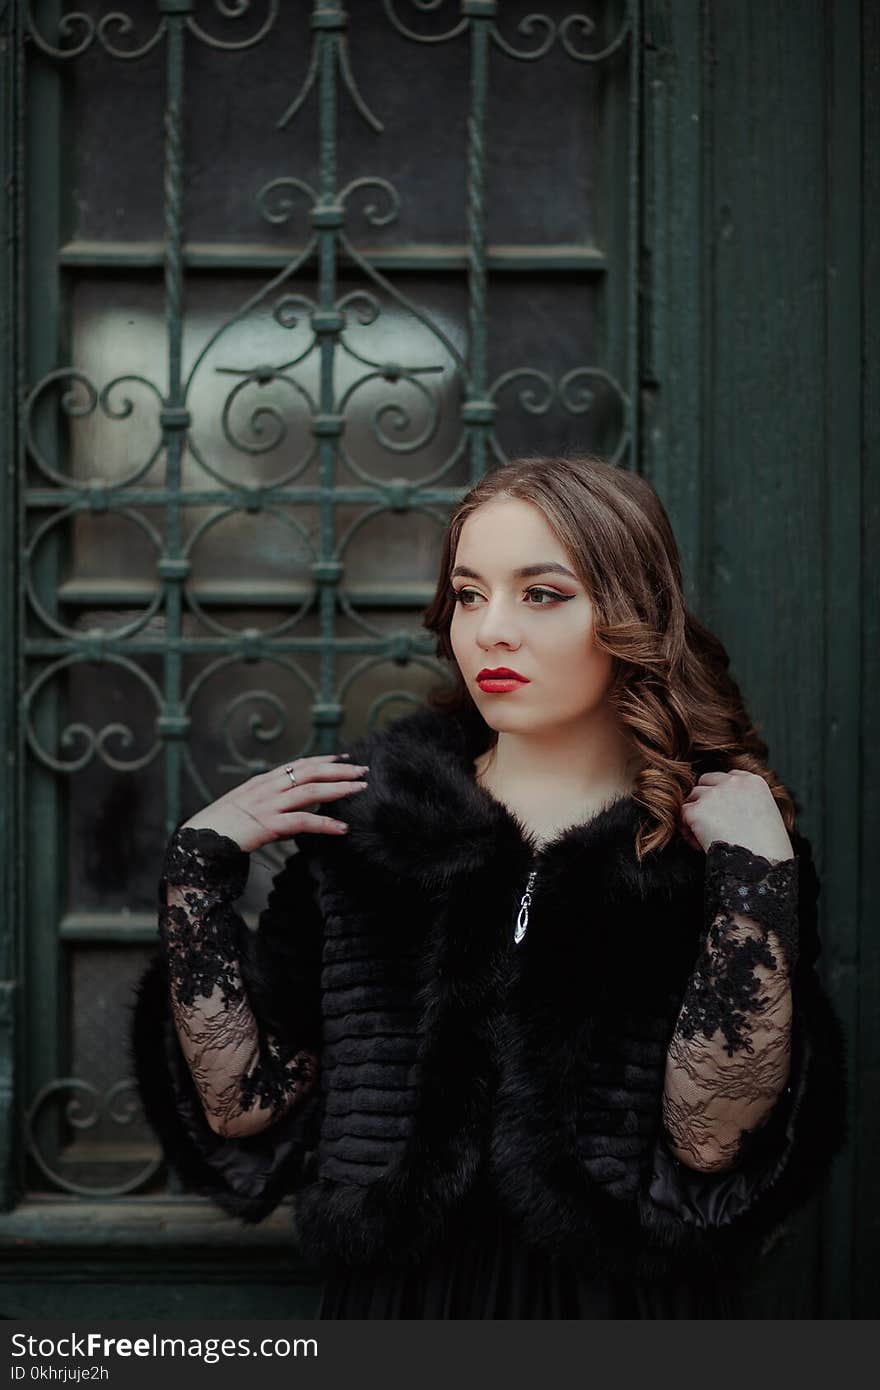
500 681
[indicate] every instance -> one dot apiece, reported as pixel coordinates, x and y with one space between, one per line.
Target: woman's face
538 625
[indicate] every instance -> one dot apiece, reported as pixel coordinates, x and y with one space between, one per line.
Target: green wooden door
282 280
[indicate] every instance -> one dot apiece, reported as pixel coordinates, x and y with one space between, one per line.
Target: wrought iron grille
251 402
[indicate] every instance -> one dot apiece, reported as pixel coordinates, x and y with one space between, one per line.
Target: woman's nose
498 624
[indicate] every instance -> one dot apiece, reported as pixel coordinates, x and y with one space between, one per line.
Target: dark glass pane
249 432
544 114
89 1129
543 330
115 134
115 814
102 981
258 431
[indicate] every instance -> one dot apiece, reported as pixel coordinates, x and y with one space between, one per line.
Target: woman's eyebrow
525 572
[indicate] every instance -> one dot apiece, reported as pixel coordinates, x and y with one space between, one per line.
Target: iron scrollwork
86 1107
484 11
330 331
121 25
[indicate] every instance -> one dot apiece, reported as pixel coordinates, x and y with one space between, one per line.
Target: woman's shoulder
421 814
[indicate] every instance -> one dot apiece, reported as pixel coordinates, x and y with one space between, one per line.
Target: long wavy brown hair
671 685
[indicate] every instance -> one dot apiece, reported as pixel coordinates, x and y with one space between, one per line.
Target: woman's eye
549 594
536 597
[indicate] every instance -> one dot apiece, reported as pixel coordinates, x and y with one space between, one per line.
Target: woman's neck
591 760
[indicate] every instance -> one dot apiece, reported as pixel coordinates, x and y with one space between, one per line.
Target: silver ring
291 774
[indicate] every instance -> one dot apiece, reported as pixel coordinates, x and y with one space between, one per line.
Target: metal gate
292 277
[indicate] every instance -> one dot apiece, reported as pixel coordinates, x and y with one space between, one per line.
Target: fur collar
425 819
426 835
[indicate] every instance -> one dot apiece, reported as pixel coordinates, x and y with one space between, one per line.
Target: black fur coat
448 1051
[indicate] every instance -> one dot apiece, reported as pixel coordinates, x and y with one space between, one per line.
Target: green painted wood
52 1223
619 163
395 493
151 1257
148 255
9 1112
44 1003
752 400
247 647
866 1196
115 928
10 280
172 1290
764 461
673 334
784 547
230 593
843 612
628 371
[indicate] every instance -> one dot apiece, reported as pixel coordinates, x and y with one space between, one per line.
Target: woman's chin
505 721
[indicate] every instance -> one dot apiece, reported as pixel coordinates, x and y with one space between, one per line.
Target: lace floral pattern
246 1077
729 1056
724 991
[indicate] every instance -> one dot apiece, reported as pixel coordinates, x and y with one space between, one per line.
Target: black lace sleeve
729 1057
226 1023
758 1043
245 1076
725 991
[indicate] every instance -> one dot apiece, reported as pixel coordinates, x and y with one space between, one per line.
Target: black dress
484 1269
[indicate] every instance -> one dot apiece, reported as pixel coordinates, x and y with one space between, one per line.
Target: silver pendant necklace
525 902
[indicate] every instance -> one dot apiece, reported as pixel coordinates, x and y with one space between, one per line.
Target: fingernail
341 826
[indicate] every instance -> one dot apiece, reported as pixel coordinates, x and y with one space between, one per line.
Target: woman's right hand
269 807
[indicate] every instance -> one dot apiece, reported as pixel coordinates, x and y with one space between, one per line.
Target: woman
531 1021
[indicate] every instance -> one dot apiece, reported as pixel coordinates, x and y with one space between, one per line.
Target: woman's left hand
738 807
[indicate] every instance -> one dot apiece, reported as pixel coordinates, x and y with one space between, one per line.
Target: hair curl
671 685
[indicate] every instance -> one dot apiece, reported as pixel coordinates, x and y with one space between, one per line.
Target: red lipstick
499 680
